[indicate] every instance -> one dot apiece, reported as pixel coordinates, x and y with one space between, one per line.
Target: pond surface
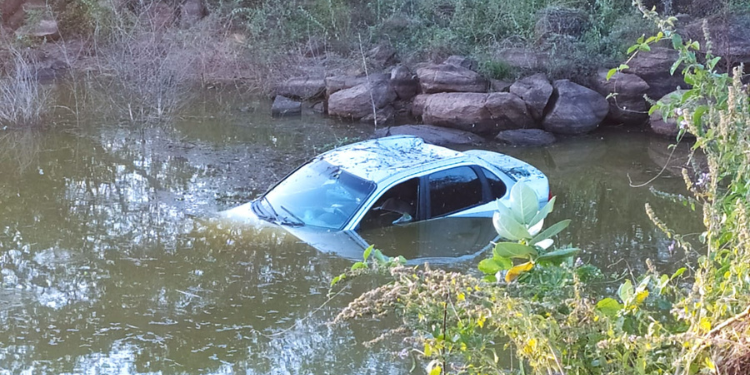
107 265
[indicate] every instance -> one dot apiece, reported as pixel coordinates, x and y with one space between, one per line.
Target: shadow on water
106 269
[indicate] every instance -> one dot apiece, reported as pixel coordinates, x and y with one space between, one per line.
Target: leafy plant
523 223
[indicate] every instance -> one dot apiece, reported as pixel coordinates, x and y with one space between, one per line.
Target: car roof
378 159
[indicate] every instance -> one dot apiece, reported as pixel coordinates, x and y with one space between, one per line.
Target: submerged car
391 181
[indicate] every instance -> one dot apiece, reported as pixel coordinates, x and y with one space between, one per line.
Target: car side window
454 189
398 205
497 186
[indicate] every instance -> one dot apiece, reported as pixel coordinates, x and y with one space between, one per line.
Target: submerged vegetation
556 321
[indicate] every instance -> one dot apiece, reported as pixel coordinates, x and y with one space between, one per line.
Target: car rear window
454 189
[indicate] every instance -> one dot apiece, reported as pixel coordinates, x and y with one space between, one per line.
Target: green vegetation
695 321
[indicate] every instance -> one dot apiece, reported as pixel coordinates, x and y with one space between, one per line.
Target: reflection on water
105 268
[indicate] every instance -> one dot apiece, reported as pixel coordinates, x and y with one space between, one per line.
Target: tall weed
23 100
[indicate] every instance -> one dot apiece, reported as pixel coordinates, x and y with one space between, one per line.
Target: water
107 266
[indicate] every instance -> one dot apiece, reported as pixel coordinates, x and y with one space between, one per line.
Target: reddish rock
575 109
653 67
535 91
302 88
449 78
479 113
357 102
627 105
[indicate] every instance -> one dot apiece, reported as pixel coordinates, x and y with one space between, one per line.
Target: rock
382 55
730 35
526 137
357 102
191 11
653 67
435 135
522 58
669 126
535 91
384 115
283 106
628 106
41 28
559 20
484 114
574 109
497 85
449 78
417 105
304 88
463 62
404 83
336 83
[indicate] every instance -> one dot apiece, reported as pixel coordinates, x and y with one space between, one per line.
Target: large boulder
730 35
627 105
435 135
653 67
449 78
337 83
283 106
575 109
484 114
404 83
535 91
304 88
358 101
418 104
526 137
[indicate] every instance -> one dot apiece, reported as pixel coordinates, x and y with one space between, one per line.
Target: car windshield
319 194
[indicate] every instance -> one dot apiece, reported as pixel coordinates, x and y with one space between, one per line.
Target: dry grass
23 100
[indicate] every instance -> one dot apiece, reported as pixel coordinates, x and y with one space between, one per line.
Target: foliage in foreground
557 323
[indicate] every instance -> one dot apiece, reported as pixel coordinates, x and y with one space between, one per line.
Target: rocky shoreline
532 110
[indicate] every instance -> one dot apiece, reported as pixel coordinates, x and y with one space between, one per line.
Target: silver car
386 182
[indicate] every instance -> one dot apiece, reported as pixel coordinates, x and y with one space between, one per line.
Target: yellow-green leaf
516 271
427 349
641 296
436 370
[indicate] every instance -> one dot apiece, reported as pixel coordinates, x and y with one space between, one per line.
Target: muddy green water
107 266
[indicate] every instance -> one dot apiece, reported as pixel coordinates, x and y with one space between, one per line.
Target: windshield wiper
299 222
270 207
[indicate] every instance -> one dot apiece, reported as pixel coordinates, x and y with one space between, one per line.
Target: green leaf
698 114
675 66
524 202
492 266
678 273
504 262
551 231
626 291
358 265
507 226
558 255
611 73
676 41
543 212
513 250
713 62
644 47
337 279
609 307
367 252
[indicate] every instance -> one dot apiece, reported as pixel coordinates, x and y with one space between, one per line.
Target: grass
23 100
